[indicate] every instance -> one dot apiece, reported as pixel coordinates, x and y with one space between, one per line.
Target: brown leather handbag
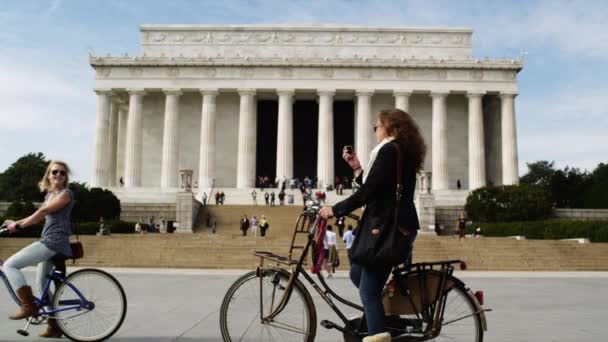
76 247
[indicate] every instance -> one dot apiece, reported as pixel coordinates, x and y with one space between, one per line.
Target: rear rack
303 225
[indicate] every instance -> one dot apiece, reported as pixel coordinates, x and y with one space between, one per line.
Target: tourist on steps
55 241
263 226
254 225
377 194
244 224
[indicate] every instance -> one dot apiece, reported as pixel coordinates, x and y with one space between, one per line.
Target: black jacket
378 192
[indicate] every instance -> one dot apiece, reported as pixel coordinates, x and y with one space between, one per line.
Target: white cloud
569 127
29 81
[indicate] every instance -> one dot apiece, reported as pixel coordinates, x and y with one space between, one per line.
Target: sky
47 103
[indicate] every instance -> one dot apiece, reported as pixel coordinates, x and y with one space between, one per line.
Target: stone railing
582 214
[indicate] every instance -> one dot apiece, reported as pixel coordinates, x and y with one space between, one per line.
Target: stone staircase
227 249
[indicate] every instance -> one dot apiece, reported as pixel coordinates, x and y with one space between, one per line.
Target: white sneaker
382 337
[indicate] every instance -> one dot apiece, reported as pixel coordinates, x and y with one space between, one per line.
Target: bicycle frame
430 310
323 290
53 276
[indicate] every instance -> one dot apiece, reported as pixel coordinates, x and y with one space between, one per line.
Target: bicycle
423 301
88 304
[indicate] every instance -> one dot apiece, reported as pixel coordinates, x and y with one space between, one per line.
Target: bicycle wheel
241 319
461 321
97 321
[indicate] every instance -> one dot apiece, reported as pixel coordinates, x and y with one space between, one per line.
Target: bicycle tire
66 293
252 280
459 290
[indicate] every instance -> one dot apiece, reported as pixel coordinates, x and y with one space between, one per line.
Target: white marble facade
188 101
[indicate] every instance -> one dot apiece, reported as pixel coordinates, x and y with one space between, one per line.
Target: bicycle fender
480 310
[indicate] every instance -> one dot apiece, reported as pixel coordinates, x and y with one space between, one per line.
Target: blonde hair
45 185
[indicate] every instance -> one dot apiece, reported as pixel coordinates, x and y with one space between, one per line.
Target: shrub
91 204
595 231
20 209
508 203
81 228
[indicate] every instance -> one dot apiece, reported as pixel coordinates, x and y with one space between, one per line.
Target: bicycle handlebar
4 229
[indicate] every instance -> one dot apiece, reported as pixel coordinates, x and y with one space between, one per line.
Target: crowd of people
254 224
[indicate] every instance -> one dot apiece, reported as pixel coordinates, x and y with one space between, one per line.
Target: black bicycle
423 301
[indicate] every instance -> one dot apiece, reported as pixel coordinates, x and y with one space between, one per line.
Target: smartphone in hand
349 149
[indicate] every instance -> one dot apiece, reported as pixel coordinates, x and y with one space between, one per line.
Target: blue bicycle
88 304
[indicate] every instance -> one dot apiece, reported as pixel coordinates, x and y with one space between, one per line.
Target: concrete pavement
183 305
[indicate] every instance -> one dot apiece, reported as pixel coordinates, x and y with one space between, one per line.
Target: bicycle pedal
23 333
328 324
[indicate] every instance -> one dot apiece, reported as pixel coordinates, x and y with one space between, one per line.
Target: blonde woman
55 240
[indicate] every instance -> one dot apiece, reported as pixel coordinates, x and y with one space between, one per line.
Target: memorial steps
228 249
232 251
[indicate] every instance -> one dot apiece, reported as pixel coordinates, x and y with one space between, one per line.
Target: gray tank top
58 228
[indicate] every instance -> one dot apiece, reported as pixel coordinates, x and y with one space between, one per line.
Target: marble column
364 126
510 167
477 157
285 134
325 146
99 178
440 142
123 114
402 100
247 140
113 142
170 157
206 166
133 146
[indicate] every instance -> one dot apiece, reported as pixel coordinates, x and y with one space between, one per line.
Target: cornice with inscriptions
304 73
273 37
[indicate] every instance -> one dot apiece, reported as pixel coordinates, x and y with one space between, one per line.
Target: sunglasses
375 128
61 172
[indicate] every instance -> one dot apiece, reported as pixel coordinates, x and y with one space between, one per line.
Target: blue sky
47 103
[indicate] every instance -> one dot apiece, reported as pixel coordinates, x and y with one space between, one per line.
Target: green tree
18 209
91 204
596 195
568 187
20 181
509 203
539 173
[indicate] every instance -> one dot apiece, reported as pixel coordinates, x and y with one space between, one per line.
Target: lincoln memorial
232 103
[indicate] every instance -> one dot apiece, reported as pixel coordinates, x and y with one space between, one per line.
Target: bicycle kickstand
23 332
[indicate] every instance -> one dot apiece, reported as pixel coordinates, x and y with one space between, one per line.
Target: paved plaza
183 305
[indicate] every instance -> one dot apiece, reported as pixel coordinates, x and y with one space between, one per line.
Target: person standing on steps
340 225
263 226
54 241
254 197
254 225
397 135
244 224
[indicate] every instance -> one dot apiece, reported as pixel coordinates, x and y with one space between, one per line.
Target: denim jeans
33 254
370 281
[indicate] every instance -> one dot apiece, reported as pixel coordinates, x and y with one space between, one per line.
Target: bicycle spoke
243 321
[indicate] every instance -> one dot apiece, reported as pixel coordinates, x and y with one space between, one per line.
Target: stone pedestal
185 211
425 205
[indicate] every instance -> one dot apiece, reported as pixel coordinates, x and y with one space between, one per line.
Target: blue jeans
33 254
370 281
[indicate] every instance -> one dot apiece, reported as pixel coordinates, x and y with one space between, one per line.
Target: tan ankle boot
382 337
52 329
28 305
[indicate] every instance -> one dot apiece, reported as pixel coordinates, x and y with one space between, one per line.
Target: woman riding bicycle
55 240
377 194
